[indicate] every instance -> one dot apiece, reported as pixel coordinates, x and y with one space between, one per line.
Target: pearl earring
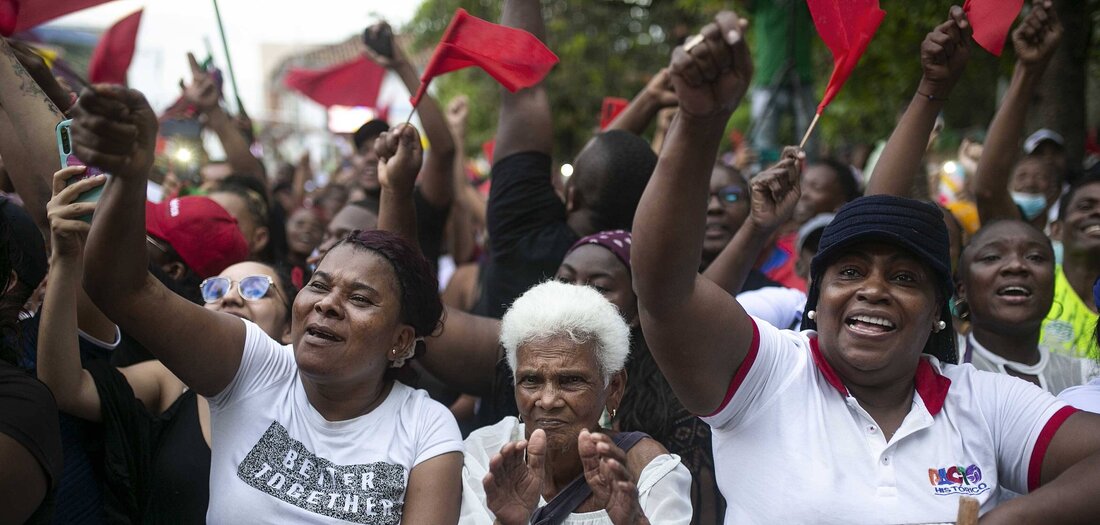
940 326
812 314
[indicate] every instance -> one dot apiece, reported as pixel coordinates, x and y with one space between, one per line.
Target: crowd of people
667 337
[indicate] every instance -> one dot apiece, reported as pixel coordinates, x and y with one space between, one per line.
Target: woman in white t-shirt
847 421
316 431
1005 288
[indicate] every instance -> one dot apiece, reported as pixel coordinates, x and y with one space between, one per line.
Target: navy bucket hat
911 225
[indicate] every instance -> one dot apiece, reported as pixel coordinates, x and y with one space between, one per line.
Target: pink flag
352 83
991 20
112 55
20 15
514 57
846 27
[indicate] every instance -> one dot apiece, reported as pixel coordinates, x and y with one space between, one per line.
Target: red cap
204 235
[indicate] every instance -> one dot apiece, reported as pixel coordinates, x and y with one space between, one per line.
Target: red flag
353 83
115 50
991 20
514 57
611 108
847 27
20 15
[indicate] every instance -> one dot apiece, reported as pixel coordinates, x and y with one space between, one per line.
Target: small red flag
20 15
611 108
115 51
847 27
352 83
991 20
514 57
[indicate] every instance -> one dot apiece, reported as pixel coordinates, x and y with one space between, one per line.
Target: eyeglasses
251 288
728 195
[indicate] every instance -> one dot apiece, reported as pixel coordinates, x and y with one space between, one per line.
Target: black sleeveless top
156 467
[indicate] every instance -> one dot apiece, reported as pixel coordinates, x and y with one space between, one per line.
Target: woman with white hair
567 346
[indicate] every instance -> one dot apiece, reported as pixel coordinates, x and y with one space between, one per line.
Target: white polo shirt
791 445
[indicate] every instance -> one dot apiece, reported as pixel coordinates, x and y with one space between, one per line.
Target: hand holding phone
69 218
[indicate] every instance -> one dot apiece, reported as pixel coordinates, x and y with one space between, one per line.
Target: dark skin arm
525 123
1035 40
115 129
1068 480
399 158
203 93
435 178
27 139
698 334
775 193
655 96
943 55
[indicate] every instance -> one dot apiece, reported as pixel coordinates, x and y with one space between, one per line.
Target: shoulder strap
571 497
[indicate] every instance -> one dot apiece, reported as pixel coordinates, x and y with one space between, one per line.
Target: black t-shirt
28 414
528 235
528 238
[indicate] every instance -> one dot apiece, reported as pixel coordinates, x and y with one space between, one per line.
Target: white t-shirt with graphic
275 459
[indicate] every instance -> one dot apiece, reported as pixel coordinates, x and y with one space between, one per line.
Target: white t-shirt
664 485
275 459
791 445
1086 397
781 307
1055 372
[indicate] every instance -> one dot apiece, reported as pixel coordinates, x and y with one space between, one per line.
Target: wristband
933 98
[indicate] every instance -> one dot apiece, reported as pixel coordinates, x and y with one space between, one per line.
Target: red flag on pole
353 83
847 27
514 57
115 50
991 20
20 15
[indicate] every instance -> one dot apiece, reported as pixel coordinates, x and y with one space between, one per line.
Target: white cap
1039 136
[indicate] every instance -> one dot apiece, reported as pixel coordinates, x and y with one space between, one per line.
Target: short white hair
554 309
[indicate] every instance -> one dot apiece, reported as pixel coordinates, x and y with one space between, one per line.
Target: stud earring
811 315
611 412
940 326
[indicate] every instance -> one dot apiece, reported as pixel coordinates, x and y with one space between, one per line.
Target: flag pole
228 61
808 131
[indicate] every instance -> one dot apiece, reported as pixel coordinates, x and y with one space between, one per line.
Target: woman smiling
858 418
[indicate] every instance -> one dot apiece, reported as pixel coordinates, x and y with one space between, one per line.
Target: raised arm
943 56
58 347
697 333
524 123
27 138
399 158
435 178
655 96
775 193
1035 41
203 93
115 129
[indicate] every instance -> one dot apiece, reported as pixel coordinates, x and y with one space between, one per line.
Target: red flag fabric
20 15
846 27
352 83
514 57
115 50
991 20
611 108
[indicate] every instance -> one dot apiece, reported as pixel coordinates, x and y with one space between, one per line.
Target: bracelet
933 98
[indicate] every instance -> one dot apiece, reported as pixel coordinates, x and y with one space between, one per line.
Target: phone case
65 151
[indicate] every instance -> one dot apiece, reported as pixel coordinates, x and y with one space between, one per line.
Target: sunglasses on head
251 288
728 194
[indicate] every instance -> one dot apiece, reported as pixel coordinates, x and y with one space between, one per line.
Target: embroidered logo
279 465
957 480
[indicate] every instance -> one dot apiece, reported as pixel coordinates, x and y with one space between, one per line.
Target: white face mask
1031 204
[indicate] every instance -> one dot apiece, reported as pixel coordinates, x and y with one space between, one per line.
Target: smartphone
65 150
